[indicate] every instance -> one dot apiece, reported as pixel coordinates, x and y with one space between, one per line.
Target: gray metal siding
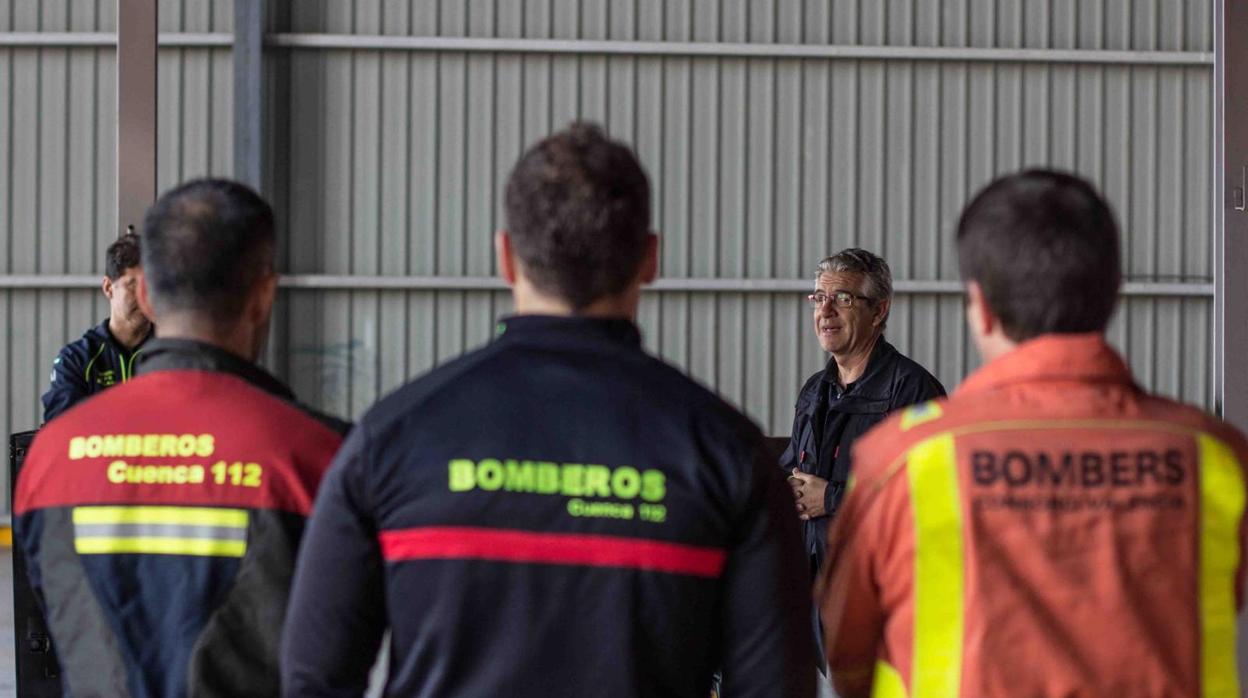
392 164
58 167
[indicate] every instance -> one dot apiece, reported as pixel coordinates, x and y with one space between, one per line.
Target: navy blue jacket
160 521
829 418
85 367
557 514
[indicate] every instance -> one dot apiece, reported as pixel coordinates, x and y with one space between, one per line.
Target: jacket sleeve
847 591
791 458
766 597
337 609
67 386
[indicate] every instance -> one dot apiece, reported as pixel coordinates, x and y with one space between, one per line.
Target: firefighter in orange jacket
1051 529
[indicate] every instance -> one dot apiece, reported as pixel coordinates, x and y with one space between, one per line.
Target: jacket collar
190 355
549 327
876 383
105 335
1085 358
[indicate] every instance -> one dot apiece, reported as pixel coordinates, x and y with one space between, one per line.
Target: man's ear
260 303
650 262
881 311
978 314
145 301
506 257
107 287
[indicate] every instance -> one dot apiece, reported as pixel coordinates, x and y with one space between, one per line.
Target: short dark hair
206 243
578 212
121 256
1044 248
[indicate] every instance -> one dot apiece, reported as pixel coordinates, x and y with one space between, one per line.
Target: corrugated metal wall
391 164
58 168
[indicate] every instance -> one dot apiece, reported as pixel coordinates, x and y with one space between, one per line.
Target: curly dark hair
123 254
578 212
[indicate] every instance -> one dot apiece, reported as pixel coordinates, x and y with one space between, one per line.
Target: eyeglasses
844 299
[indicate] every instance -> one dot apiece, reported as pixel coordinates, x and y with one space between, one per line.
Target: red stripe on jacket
501 545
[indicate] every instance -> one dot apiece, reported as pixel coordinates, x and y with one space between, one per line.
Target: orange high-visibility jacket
1050 530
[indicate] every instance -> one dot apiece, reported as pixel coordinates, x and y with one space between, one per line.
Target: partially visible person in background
105 355
865 379
1052 529
160 520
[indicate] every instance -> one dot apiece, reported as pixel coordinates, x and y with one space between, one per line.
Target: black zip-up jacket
160 522
557 514
829 419
85 367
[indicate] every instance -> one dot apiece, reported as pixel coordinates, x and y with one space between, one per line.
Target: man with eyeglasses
865 379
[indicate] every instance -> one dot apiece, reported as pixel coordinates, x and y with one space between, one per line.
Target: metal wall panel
1133 25
760 167
58 167
392 163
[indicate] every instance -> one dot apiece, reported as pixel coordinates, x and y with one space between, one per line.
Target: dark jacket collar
190 355
102 333
876 383
550 327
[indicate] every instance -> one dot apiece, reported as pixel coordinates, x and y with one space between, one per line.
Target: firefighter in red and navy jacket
161 518
558 514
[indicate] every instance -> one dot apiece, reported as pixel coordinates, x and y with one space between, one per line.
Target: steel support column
1231 211
1230 206
249 92
136 111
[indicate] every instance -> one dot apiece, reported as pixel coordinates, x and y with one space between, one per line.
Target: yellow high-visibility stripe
161 546
938 568
1221 511
196 516
887 682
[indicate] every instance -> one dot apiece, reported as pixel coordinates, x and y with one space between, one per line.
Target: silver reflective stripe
152 530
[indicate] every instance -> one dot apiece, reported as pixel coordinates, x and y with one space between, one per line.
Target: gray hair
855 260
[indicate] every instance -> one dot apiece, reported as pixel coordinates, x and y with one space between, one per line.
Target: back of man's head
122 255
1043 247
205 245
578 213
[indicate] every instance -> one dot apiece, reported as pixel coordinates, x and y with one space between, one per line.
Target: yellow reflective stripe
1221 510
198 516
887 682
938 568
86 374
161 546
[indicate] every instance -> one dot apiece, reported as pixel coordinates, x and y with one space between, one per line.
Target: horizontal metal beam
109 40
347 282
736 50
628 48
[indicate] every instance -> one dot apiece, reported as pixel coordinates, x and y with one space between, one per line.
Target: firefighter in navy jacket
161 519
105 355
557 514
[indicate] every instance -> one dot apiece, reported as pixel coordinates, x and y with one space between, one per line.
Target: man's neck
530 301
237 342
127 336
851 366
